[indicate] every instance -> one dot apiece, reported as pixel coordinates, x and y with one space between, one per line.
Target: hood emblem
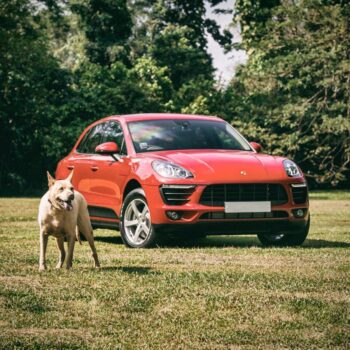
243 172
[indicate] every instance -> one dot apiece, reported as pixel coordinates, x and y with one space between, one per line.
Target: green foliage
64 64
173 48
252 17
107 26
294 92
154 83
32 86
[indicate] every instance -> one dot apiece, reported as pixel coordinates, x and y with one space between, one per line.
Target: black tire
131 221
284 239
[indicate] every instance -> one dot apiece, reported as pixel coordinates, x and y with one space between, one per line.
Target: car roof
155 116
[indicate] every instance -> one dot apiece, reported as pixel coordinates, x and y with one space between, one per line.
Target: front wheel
135 224
284 239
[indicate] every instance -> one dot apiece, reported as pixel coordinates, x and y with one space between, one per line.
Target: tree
32 86
172 48
252 16
173 34
107 26
295 89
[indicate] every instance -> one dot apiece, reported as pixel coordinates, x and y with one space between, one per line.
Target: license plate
248 207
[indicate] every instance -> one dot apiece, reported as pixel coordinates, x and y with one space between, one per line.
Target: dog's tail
77 234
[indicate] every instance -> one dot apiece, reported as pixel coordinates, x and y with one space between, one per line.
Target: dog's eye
72 189
61 189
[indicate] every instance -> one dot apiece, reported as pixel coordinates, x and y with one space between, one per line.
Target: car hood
227 166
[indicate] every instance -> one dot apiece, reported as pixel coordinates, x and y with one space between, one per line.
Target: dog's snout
71 197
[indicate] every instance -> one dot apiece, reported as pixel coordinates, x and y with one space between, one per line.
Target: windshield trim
240 137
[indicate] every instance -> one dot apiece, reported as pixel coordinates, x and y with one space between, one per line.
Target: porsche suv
153 174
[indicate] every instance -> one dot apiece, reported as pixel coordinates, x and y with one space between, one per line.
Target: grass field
223 293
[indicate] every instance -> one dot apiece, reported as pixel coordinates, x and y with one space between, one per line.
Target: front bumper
212 219
236 227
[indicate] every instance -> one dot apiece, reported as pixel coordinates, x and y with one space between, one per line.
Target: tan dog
63 214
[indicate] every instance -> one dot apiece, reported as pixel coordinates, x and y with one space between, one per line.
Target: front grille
299 194
217 195
176 194
220 215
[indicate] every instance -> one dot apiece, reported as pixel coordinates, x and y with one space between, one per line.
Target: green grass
331 194
223 293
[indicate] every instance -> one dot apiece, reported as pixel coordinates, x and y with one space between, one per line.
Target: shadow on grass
109 239
246 242
137 270
225 242
322 243
212 242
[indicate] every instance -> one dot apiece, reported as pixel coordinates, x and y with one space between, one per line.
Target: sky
225 63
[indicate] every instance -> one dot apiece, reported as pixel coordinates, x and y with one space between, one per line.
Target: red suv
152 174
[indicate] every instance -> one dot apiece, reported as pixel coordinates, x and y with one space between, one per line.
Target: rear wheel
284 239
135 225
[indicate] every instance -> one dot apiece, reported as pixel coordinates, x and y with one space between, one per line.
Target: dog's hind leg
86 229
84 226
71 243
90 239
77 234
60 245
43 245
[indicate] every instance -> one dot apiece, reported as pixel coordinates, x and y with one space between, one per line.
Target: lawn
222 293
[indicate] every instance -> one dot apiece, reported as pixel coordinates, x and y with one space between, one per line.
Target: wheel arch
130 186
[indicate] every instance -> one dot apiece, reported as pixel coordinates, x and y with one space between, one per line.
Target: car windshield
181 134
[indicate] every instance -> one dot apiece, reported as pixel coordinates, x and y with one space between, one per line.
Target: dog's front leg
71 242
43 245
60 245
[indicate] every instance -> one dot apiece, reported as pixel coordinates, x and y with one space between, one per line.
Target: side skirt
105 224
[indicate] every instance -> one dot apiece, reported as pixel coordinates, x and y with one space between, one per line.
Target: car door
108 175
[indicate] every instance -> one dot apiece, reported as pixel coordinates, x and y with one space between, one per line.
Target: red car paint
104 181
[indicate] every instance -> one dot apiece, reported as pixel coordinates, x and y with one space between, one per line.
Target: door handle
70 167
94 168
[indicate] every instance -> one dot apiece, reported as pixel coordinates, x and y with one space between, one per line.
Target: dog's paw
42 267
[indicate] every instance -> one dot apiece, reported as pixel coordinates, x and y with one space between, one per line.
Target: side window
92 139
81 146
114 133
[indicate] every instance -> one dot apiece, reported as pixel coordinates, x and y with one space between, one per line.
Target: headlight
170 170
291 168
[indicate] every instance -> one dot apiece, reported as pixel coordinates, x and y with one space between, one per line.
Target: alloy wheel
137 221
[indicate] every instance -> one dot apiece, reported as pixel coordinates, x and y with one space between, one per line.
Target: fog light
299 213
173 215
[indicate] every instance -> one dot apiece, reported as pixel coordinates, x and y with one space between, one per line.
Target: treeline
64 64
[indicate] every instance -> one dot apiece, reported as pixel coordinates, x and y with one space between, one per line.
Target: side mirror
256 146
107 148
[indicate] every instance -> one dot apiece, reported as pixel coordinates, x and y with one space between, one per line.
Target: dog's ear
70 176
50 179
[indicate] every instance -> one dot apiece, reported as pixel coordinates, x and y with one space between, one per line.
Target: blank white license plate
247 207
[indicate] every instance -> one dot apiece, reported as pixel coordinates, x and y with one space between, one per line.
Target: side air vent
176 194
299 192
